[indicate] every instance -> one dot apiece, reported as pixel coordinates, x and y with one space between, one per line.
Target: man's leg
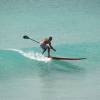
48 51
44 51
44 48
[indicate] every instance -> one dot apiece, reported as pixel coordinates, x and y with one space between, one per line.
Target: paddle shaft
34 40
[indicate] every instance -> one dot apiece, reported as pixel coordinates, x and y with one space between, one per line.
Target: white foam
33 55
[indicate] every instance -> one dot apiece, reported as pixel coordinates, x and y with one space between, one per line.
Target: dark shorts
43 46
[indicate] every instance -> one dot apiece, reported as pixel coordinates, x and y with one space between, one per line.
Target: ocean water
26 74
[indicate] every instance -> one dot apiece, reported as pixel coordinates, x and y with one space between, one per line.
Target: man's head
50 38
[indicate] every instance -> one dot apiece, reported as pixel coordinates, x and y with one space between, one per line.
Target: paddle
26 37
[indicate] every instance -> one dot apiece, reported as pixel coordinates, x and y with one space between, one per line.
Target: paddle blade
26 37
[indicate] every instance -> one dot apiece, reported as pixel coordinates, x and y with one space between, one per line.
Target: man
45 44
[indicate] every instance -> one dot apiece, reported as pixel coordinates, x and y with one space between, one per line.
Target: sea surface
26 74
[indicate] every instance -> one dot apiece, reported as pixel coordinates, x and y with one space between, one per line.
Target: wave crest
33 55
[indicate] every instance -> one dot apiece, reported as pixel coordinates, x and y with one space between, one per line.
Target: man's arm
51 47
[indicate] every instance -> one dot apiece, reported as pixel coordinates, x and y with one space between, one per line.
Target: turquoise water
25 74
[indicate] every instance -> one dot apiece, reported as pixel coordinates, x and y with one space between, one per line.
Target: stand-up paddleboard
64 58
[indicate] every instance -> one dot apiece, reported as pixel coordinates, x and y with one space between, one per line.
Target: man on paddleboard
45 44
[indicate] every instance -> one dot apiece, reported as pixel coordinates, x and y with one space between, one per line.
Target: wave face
14 62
